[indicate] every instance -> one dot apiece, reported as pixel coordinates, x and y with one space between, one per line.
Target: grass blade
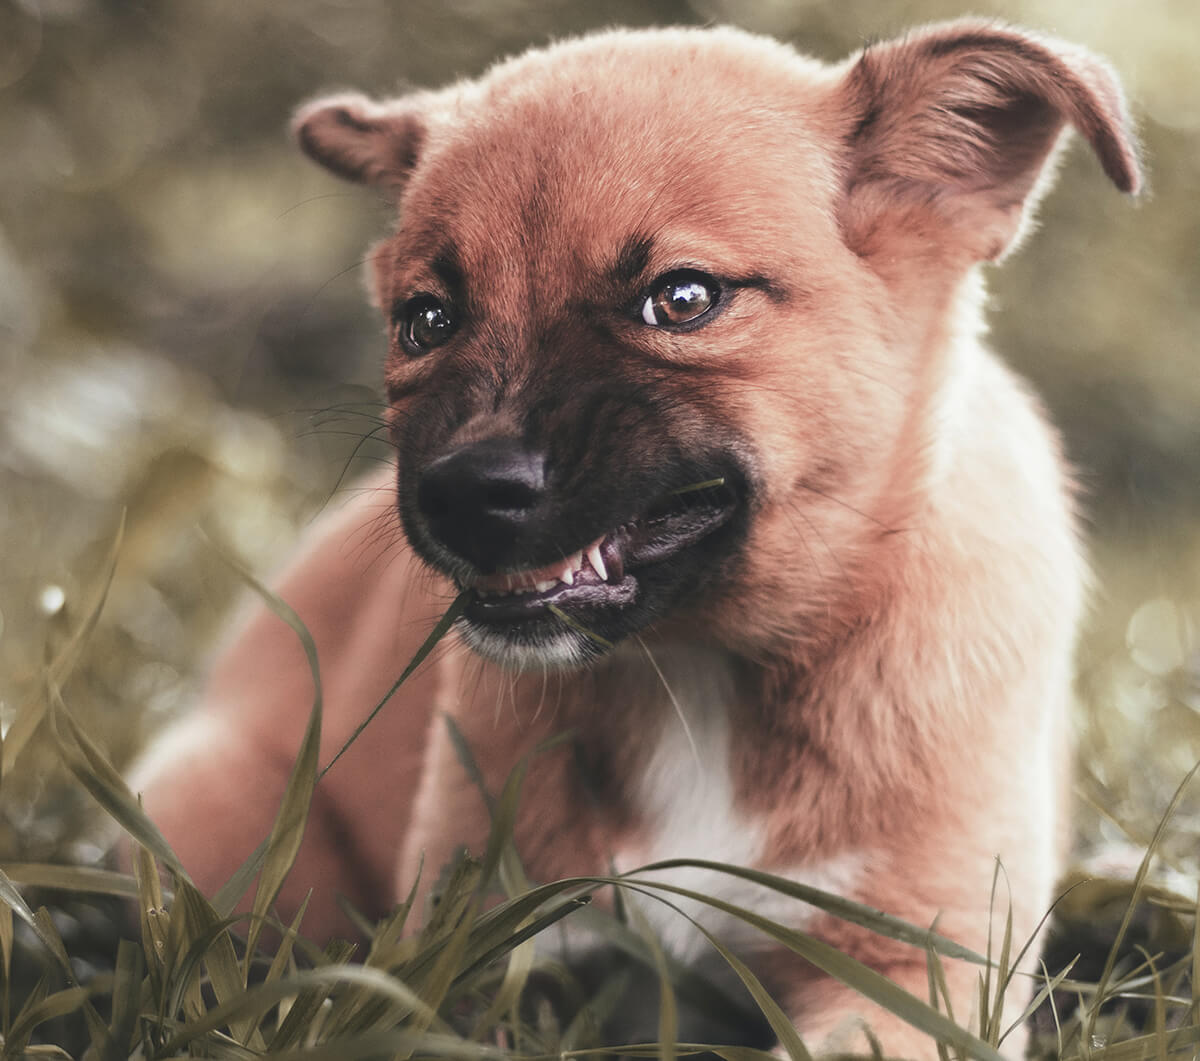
457 606
58 671
287 832
851 972
93 770
126 1000
258 999
1139 882
868 917
91 880
40 922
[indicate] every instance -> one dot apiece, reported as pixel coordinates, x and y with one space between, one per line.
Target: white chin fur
565 650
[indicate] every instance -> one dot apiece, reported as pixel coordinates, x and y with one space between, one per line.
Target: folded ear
959 121
362 140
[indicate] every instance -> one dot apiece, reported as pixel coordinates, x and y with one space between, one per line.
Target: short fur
868 642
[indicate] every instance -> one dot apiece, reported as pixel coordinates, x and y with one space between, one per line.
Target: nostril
510 496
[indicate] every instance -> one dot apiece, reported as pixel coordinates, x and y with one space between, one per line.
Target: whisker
687 729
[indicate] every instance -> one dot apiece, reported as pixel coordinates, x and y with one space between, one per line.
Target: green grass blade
781 1023
515 939
1139 882
868 917
283 844
690 985
202 927
308 1002
457 606
577 626
152 919
1142 1047
708 484
126 1000
60 1004
849 971
668 1009
504 818
1195 1015
282 959
588 1023
13 1045
445 968
15 902
374 1045
741 1053
40 922
93 770
512 986
89 880
30 716
466 759
230 893
258 999
389 933
6 951
939 993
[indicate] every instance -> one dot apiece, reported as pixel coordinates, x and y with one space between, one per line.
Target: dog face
666 313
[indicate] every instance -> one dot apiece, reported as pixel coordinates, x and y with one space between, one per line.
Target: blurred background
184 338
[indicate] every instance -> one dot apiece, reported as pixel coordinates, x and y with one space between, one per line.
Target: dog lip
598 574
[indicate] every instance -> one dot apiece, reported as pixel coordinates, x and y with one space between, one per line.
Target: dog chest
688 807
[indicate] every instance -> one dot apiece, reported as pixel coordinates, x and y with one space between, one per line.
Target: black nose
479 499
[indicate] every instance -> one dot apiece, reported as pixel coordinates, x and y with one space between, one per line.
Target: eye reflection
679 298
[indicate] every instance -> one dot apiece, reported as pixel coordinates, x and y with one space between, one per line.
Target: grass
192 978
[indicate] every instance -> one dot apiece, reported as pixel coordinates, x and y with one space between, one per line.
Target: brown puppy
685 342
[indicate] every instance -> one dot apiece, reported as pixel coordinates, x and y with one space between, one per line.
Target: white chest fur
688 808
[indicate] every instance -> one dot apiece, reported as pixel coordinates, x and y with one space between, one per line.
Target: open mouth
604 573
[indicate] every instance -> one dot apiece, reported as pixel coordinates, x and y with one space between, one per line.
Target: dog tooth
615 561
567 576
597 561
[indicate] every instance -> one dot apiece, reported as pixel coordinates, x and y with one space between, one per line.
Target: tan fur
890 644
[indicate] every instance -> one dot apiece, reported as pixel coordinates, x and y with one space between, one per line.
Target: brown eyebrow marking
632 260
448 270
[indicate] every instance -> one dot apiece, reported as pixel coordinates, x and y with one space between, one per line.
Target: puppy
686 388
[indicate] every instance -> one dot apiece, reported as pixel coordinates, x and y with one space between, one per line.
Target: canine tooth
567 576
597 561
615 562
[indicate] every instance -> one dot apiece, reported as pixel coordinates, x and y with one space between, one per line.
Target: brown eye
679 298
424 323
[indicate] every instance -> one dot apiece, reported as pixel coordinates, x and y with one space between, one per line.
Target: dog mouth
604 574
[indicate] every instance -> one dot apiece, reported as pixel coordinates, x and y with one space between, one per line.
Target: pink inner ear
964 117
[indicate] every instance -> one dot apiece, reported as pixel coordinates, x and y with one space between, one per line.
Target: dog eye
424 323
679 298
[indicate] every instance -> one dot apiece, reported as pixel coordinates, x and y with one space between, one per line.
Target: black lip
668 529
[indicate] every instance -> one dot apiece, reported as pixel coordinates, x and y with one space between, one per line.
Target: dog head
670 310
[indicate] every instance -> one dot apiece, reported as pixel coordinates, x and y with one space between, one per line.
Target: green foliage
202 981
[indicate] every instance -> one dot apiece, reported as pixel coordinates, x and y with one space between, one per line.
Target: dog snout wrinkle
479 498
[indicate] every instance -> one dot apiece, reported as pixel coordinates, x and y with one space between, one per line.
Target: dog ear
960 120
362 140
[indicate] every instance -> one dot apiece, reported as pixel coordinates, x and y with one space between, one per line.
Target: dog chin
563 649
